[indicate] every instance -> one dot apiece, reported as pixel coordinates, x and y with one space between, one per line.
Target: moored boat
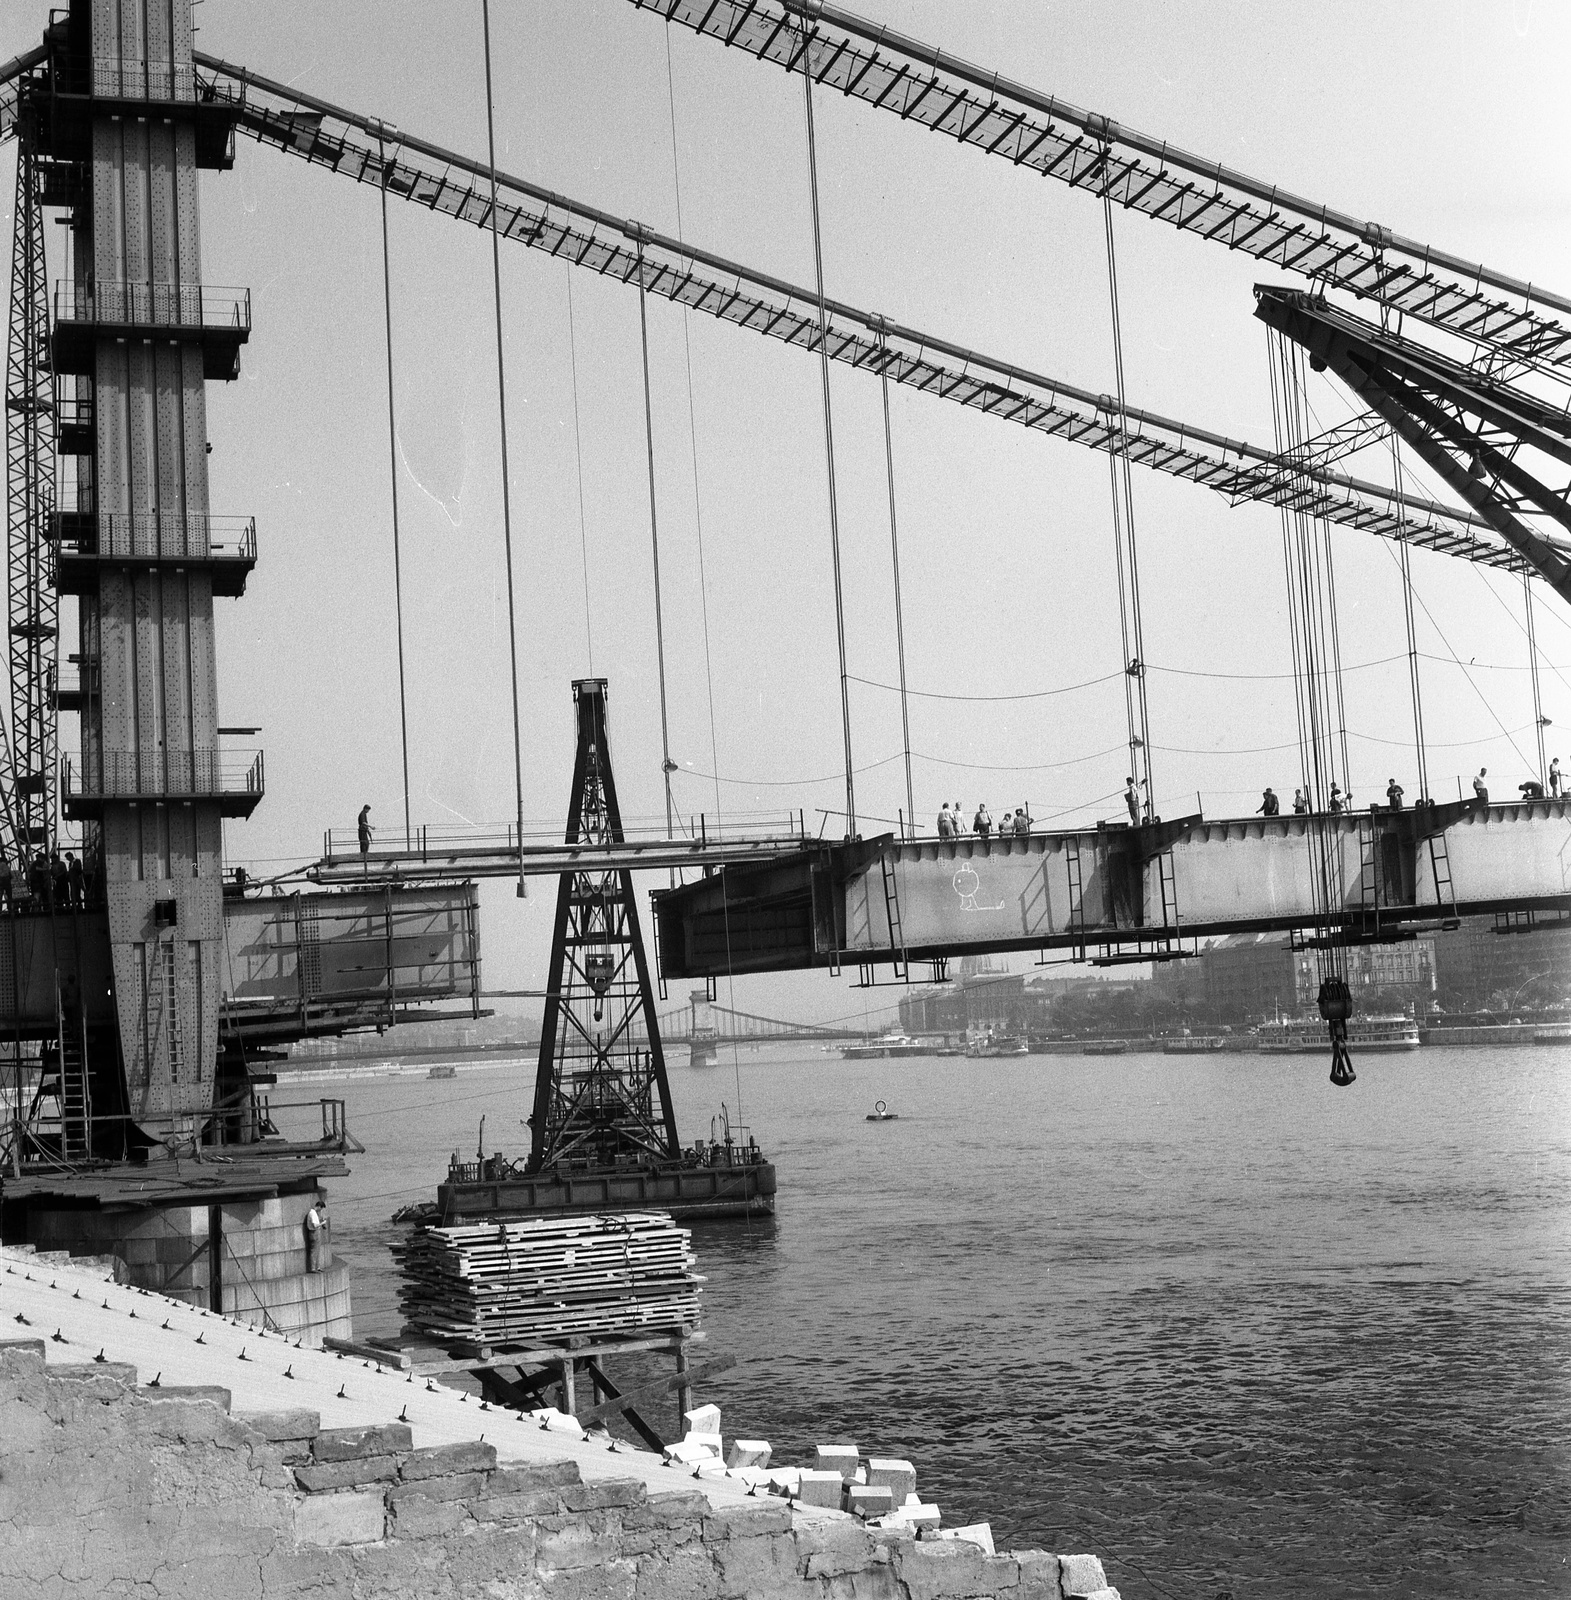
1192 1044
1308 1036
1553 1033
992 1044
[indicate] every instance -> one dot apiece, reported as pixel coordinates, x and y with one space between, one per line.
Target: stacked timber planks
553 1278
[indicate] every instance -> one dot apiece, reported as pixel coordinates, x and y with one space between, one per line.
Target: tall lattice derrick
32 606
601 1094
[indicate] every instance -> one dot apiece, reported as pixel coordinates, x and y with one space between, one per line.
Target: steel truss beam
346 142
1085 150
601 1092
1470 429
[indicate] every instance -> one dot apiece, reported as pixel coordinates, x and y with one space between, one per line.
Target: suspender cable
501 395
1414 685
1532 658
1131 628
392 462
578 457
667 765
829 439
894 550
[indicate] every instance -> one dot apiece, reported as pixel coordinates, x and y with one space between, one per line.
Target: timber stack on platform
518 1283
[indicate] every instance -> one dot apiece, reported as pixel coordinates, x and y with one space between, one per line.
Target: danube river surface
1233 1329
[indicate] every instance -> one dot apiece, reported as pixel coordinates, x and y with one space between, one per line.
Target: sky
1444 121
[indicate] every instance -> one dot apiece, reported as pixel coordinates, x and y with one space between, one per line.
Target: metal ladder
1369 874
1077 910
1445 890
76 1103
897 943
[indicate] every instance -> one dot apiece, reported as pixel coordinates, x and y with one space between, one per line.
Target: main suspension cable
667 765
829 437
894 549
392 461
1131 626
501 395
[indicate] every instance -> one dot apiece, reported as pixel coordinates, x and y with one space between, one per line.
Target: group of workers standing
48 880
952 823
1271 806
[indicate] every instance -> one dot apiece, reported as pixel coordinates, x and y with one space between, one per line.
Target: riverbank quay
147 1444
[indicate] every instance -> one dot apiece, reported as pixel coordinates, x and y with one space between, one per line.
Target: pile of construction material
880 1490
545 1281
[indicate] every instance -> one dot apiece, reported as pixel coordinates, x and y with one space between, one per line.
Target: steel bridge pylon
601 1093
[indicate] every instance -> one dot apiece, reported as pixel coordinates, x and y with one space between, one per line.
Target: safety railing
157 774
429 844
154 305
156 535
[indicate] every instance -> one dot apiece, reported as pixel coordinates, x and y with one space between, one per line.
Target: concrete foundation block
455 1486
435 1461
330 1519
706 1441
935 1568
820 1488
279 1426
898 1476
210 1392
748 1453
1038 1575
319 1476
865 1500
831 1547
1080 1576
702 1419
349 1444
605 1494
421 1517
763 1565
538 1475
977 1533
841 1458
751 1521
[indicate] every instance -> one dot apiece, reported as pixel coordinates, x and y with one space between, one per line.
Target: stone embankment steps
295 1472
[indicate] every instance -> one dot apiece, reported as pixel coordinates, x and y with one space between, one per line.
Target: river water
1233 1329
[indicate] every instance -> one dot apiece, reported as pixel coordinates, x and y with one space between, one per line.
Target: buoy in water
882 1113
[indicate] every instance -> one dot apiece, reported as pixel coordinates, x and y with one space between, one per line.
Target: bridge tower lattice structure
601 1093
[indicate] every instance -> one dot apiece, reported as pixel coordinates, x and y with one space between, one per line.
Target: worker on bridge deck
1132 800
946 823
1337 802
1394 793
1480 788
982 821
957 816
1269 805
1300 802
363 827
1532 789
1554 777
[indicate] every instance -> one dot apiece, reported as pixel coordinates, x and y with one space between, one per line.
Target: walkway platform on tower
439 858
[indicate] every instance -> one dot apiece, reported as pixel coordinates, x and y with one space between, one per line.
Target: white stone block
1081 1576
866 1502
841 1458
706 1441
753 1477
977 1533
916 1515
820 1488
785 1480
702 1419
748 1453
689 1454
899 1477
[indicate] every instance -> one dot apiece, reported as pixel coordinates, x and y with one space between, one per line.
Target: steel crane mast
373 152
1086 150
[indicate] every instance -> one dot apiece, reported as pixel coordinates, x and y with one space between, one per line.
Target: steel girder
1476 432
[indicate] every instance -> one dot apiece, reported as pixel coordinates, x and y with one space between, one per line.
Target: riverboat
1106 1047
997 1044
1308 1035
1192 1044
887 1046
1553 1033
